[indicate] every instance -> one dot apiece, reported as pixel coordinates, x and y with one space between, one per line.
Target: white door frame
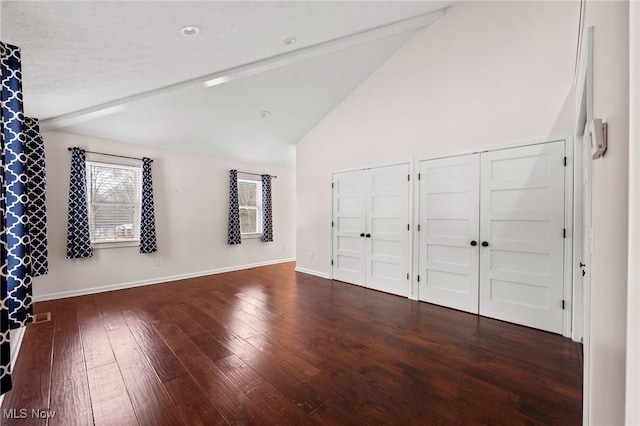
584 115
568 216
410 163
632 415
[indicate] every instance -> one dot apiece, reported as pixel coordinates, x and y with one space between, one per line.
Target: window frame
116 163
258 208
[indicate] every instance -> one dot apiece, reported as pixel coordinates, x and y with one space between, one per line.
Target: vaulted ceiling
122 70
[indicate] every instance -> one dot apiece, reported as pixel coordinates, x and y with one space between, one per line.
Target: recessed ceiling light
265 114
190 30
289 41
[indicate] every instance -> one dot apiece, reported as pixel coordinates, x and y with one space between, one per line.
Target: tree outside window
114 194
250 205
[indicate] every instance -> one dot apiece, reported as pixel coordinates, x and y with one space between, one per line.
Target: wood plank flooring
271 346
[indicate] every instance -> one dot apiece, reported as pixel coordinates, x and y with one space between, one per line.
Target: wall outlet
310 256
284 248
158 261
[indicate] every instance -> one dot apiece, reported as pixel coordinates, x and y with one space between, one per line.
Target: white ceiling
121 69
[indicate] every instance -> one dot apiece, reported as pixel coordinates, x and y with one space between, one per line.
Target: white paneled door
388 227
492 234
370 228
449 234
349 222
521 229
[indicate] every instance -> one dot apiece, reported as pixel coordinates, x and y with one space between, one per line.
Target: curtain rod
256 174
110 155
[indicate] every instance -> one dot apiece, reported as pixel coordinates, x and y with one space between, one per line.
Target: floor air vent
42 317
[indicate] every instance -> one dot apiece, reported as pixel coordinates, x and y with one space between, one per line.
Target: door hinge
418 176
563 305
565 161
408 177
408 228
407 275
418 227
418 277
331 262
564 232
332 184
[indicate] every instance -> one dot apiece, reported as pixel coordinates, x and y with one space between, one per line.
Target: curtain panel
148 219
23 232
16 309
234 236
37 198
14 166
78 233
267 222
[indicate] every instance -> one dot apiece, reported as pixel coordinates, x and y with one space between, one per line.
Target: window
114 192
250 204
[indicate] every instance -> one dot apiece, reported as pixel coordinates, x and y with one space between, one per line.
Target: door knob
368 235
362 235
485 244
474 243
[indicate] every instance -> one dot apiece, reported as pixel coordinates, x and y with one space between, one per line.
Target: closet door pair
492 234
370 228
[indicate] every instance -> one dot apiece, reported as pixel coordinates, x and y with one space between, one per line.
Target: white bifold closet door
349 221
522 221
491 238
450 227
370 228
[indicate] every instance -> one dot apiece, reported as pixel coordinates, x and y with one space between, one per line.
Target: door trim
632 415
584 114
498 147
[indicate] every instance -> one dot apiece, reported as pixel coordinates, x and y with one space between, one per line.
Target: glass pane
114 202
112 185
113 222
248 220
247 193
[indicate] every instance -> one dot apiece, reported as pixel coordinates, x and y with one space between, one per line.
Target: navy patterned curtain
14 162
234 209
78 234
16 308
148 219
267 222
37 198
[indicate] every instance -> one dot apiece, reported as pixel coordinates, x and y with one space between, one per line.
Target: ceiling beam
252 68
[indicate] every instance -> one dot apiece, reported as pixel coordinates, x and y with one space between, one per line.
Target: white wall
609 213
191 200
486 74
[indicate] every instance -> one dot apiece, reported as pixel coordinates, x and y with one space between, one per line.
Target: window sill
115 244
252 235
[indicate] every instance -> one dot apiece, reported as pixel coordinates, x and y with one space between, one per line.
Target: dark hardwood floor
272 346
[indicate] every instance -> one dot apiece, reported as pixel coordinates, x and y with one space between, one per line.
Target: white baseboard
312 272
158 280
